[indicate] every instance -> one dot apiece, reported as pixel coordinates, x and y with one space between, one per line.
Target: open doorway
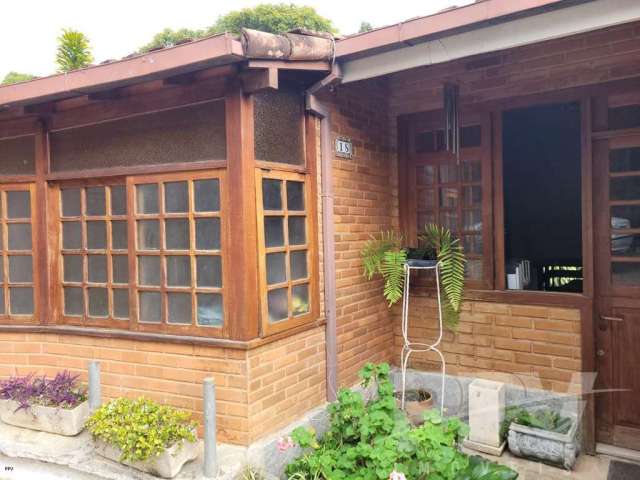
542 198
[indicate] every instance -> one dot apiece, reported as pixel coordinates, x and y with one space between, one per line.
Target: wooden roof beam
259 79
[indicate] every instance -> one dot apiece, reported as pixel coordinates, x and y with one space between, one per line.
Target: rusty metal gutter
321 111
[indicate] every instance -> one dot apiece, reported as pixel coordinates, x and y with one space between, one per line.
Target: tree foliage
74 51
365 27
169 38
16 77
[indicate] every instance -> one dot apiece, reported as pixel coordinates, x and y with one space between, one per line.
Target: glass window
279 115
174 220
16 256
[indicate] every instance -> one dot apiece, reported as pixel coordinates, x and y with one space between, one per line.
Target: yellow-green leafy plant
141 428
385 256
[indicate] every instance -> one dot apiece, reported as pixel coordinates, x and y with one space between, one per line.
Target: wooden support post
42 296
242 297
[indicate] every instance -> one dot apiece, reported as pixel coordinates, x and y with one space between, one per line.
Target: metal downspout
320 110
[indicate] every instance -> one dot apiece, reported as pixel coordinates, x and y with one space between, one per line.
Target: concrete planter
61 421
548 447
166 465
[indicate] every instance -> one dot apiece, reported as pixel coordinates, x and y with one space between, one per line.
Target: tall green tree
74 51
274 18
16 77
365 27
169 38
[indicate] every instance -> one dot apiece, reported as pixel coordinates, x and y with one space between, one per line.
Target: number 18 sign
344 147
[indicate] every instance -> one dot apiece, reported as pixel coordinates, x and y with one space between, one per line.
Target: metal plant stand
410 347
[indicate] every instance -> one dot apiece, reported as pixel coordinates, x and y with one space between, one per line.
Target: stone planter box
166 465
548 447
62 421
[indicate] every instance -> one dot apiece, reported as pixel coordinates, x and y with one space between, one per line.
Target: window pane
207 193
472 196
179 307
96 201
118 200
177 234
97 235
97 268
20 269
473 269
207 234
210 309
297 235
276 268
425 218
176 197
449 220
209 271
448 173
72 268
271 194
98 302
19 236
147 198
179 271
625 244
21 301
71 206
426 175
300 299
627 116
277 305
295 196
426 198
73 301
273 231
150 307
120 303
471 172
278 115
298 265
472 220
470 136
148 235
2 312
149 271
625 273
71 235
625 188
119 235
472 244
19 205
627 216
120 265
1 238
448 197
625 160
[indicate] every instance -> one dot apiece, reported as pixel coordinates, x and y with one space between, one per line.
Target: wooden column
43 297
240 216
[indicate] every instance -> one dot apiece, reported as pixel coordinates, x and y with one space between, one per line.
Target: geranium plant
370 440
64 390
141 428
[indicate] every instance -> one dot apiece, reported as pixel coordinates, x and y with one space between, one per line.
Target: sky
119 27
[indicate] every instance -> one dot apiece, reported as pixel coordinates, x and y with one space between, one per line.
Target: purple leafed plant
63 390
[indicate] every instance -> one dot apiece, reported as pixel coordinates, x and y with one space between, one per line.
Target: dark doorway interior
541 167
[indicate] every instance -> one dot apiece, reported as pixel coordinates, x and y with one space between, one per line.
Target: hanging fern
385 256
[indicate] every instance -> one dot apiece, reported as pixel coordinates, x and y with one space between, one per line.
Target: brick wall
167 373
522 344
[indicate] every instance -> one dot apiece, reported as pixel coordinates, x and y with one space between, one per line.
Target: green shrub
370 440
141 428
543 418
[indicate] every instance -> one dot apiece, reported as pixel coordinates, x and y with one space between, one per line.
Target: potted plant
543 434
141 433
416 402
385 256
58 405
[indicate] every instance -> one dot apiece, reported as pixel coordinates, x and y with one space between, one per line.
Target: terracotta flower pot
416 402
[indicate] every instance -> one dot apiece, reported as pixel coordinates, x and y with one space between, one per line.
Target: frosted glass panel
176 197
300 299
177 234
297 235
210 309
120 268
119 235
118 200
208 234
97 235
97 268
20 269
295 196
278 115
18 205
271 194
21 300
71 203
298 265
96 201
207 195
149 271
98 302
277 305
179 307
148 235
150 307
274 231
147 198
276 268
19 236
73 301
178 271
209 271
121 303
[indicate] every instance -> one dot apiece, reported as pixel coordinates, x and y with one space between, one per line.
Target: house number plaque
344 147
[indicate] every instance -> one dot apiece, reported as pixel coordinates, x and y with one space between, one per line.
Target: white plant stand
410 347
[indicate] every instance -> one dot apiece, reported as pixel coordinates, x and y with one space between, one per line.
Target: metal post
95 395
210 453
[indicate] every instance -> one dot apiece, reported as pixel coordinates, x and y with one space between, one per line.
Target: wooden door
617 215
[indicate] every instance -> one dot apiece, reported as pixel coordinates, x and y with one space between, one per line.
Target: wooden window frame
165 327
410 161
5 253
58 276
269 328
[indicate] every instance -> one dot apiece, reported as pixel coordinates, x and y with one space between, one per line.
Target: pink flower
397 476
285 443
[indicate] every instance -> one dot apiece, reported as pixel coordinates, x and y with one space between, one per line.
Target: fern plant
385 256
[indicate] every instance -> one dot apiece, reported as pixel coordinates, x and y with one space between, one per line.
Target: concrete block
486 412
